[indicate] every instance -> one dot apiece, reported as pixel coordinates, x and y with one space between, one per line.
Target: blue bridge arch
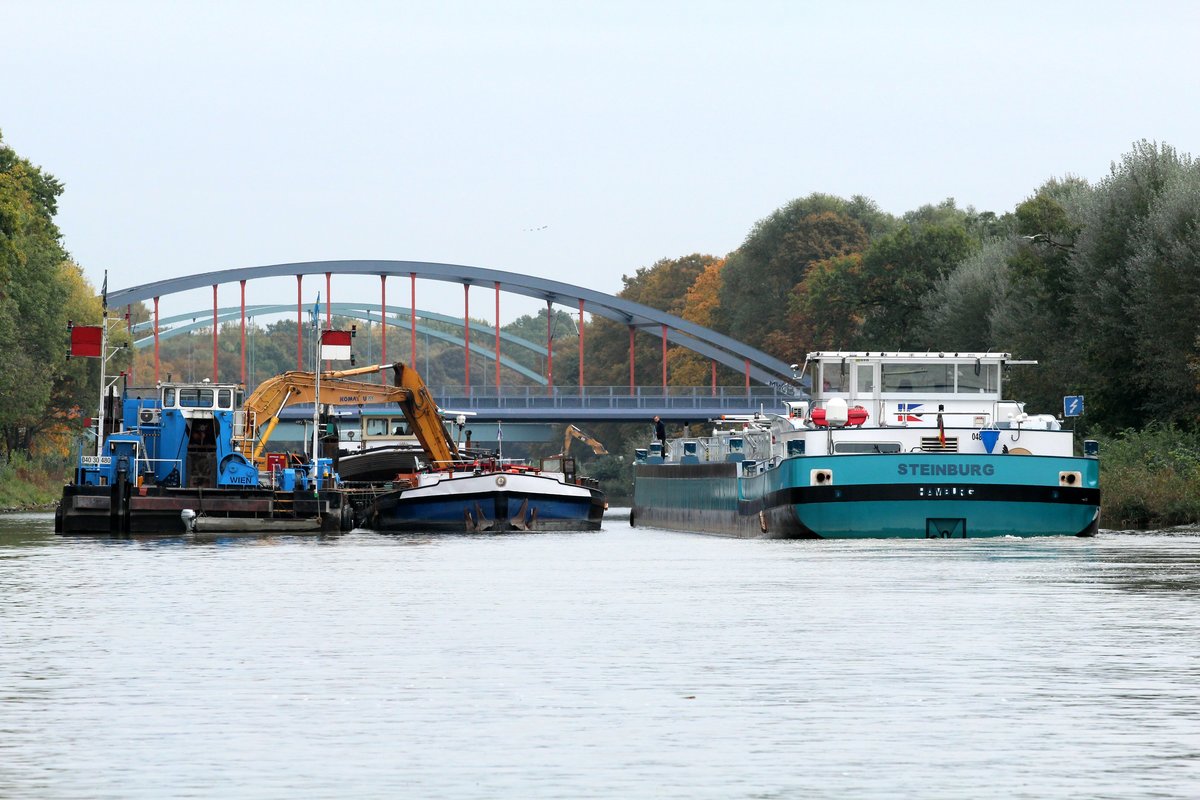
738 356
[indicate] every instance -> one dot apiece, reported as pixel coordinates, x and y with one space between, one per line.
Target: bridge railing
680 398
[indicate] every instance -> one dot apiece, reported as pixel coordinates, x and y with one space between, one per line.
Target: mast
103 362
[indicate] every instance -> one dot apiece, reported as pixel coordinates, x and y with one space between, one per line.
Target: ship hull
123 509
490 502
875 496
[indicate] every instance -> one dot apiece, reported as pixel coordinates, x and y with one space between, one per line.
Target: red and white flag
335 345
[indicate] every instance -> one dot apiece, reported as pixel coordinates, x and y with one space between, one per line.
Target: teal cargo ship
913 445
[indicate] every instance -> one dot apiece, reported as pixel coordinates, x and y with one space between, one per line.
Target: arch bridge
756 366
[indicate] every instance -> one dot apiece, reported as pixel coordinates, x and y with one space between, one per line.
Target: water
625 663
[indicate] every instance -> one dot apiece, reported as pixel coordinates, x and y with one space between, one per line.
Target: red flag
941 431
335 345
86 341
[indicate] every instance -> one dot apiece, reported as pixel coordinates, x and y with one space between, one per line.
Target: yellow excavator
574 433
264 405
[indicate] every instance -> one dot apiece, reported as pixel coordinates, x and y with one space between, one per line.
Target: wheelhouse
865 377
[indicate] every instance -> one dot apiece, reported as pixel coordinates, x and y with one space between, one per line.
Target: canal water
618 664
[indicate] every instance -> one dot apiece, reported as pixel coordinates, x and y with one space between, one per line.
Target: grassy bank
1150 479
31 483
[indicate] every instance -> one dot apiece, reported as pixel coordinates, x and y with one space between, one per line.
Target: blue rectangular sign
1073 405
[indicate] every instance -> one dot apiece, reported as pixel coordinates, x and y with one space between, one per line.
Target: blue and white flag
316 312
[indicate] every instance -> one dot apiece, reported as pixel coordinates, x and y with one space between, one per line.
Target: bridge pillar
383 323
299 324
328 311
549 347
497 339
243 332
580 347
214 371
664 360
156 341
467 335
631 361
412 318
129 329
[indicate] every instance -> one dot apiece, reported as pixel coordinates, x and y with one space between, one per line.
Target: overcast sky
578 141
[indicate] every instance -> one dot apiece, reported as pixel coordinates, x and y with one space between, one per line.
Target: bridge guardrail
681 398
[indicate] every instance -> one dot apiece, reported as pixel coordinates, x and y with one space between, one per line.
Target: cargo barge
913 445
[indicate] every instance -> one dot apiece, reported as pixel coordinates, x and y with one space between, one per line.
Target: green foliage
30 483
777 255
957 309
33 314
1109 287
898 271
1150 478
615 474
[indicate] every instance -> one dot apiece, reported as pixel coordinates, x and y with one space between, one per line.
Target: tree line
1098 282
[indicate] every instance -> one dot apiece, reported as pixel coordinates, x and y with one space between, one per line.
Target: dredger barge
196 457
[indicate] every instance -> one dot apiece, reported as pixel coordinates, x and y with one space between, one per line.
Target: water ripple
628 663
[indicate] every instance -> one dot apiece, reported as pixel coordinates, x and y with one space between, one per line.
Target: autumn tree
33 287
763 274
663 286
686 367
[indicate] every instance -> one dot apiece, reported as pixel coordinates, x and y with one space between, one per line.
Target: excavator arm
264 405
574 433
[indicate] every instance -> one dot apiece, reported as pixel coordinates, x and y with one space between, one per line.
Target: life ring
855 417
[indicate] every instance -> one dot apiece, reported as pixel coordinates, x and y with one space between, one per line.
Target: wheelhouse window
978 378
925 378
169 397
866 378
833 379
377 426
195 398
224 398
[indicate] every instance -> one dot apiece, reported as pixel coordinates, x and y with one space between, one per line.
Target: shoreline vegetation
32 484
1149 480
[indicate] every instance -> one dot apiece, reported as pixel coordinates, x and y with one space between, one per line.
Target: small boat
489 495
919 445
379 463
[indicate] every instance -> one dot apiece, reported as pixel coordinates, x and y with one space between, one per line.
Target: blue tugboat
915 445
171 461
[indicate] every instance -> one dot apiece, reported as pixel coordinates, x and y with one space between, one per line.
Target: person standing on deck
660 433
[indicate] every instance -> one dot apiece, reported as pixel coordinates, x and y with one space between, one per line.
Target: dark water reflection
624 663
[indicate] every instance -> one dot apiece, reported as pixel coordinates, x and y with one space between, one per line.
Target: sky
569 140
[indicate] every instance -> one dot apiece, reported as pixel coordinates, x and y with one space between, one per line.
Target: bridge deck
599 403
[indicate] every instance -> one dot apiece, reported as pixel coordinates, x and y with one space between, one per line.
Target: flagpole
316 398
103 361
